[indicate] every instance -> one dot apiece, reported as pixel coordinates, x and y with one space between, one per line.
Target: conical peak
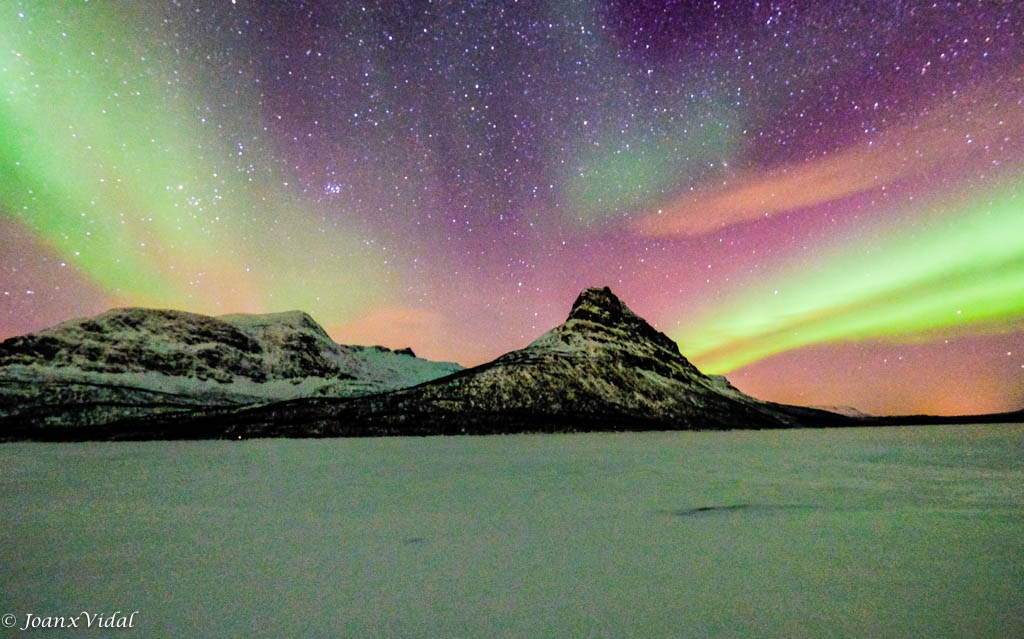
599 305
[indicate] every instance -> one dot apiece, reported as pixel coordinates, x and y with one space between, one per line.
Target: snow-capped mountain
605 368
133 362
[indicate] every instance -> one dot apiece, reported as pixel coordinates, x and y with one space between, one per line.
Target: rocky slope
605 368
133 362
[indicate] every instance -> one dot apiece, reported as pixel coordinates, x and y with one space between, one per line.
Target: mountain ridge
603 369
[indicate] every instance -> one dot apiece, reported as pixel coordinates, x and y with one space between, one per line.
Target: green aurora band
126 175
967 270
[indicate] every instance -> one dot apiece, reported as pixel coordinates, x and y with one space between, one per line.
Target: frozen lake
890 532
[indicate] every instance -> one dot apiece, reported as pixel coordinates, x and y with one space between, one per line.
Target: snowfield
887 532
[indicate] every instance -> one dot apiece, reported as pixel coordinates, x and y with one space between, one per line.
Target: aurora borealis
822 200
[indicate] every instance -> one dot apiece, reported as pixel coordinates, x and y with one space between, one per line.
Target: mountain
133 362
605 368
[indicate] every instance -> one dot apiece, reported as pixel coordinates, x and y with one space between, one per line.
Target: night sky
822 199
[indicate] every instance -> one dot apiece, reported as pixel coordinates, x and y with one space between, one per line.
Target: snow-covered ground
912 532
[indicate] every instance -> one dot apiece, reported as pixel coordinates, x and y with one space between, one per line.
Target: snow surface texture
889 532
134 362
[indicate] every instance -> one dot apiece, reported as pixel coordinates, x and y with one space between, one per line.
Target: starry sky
822 200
